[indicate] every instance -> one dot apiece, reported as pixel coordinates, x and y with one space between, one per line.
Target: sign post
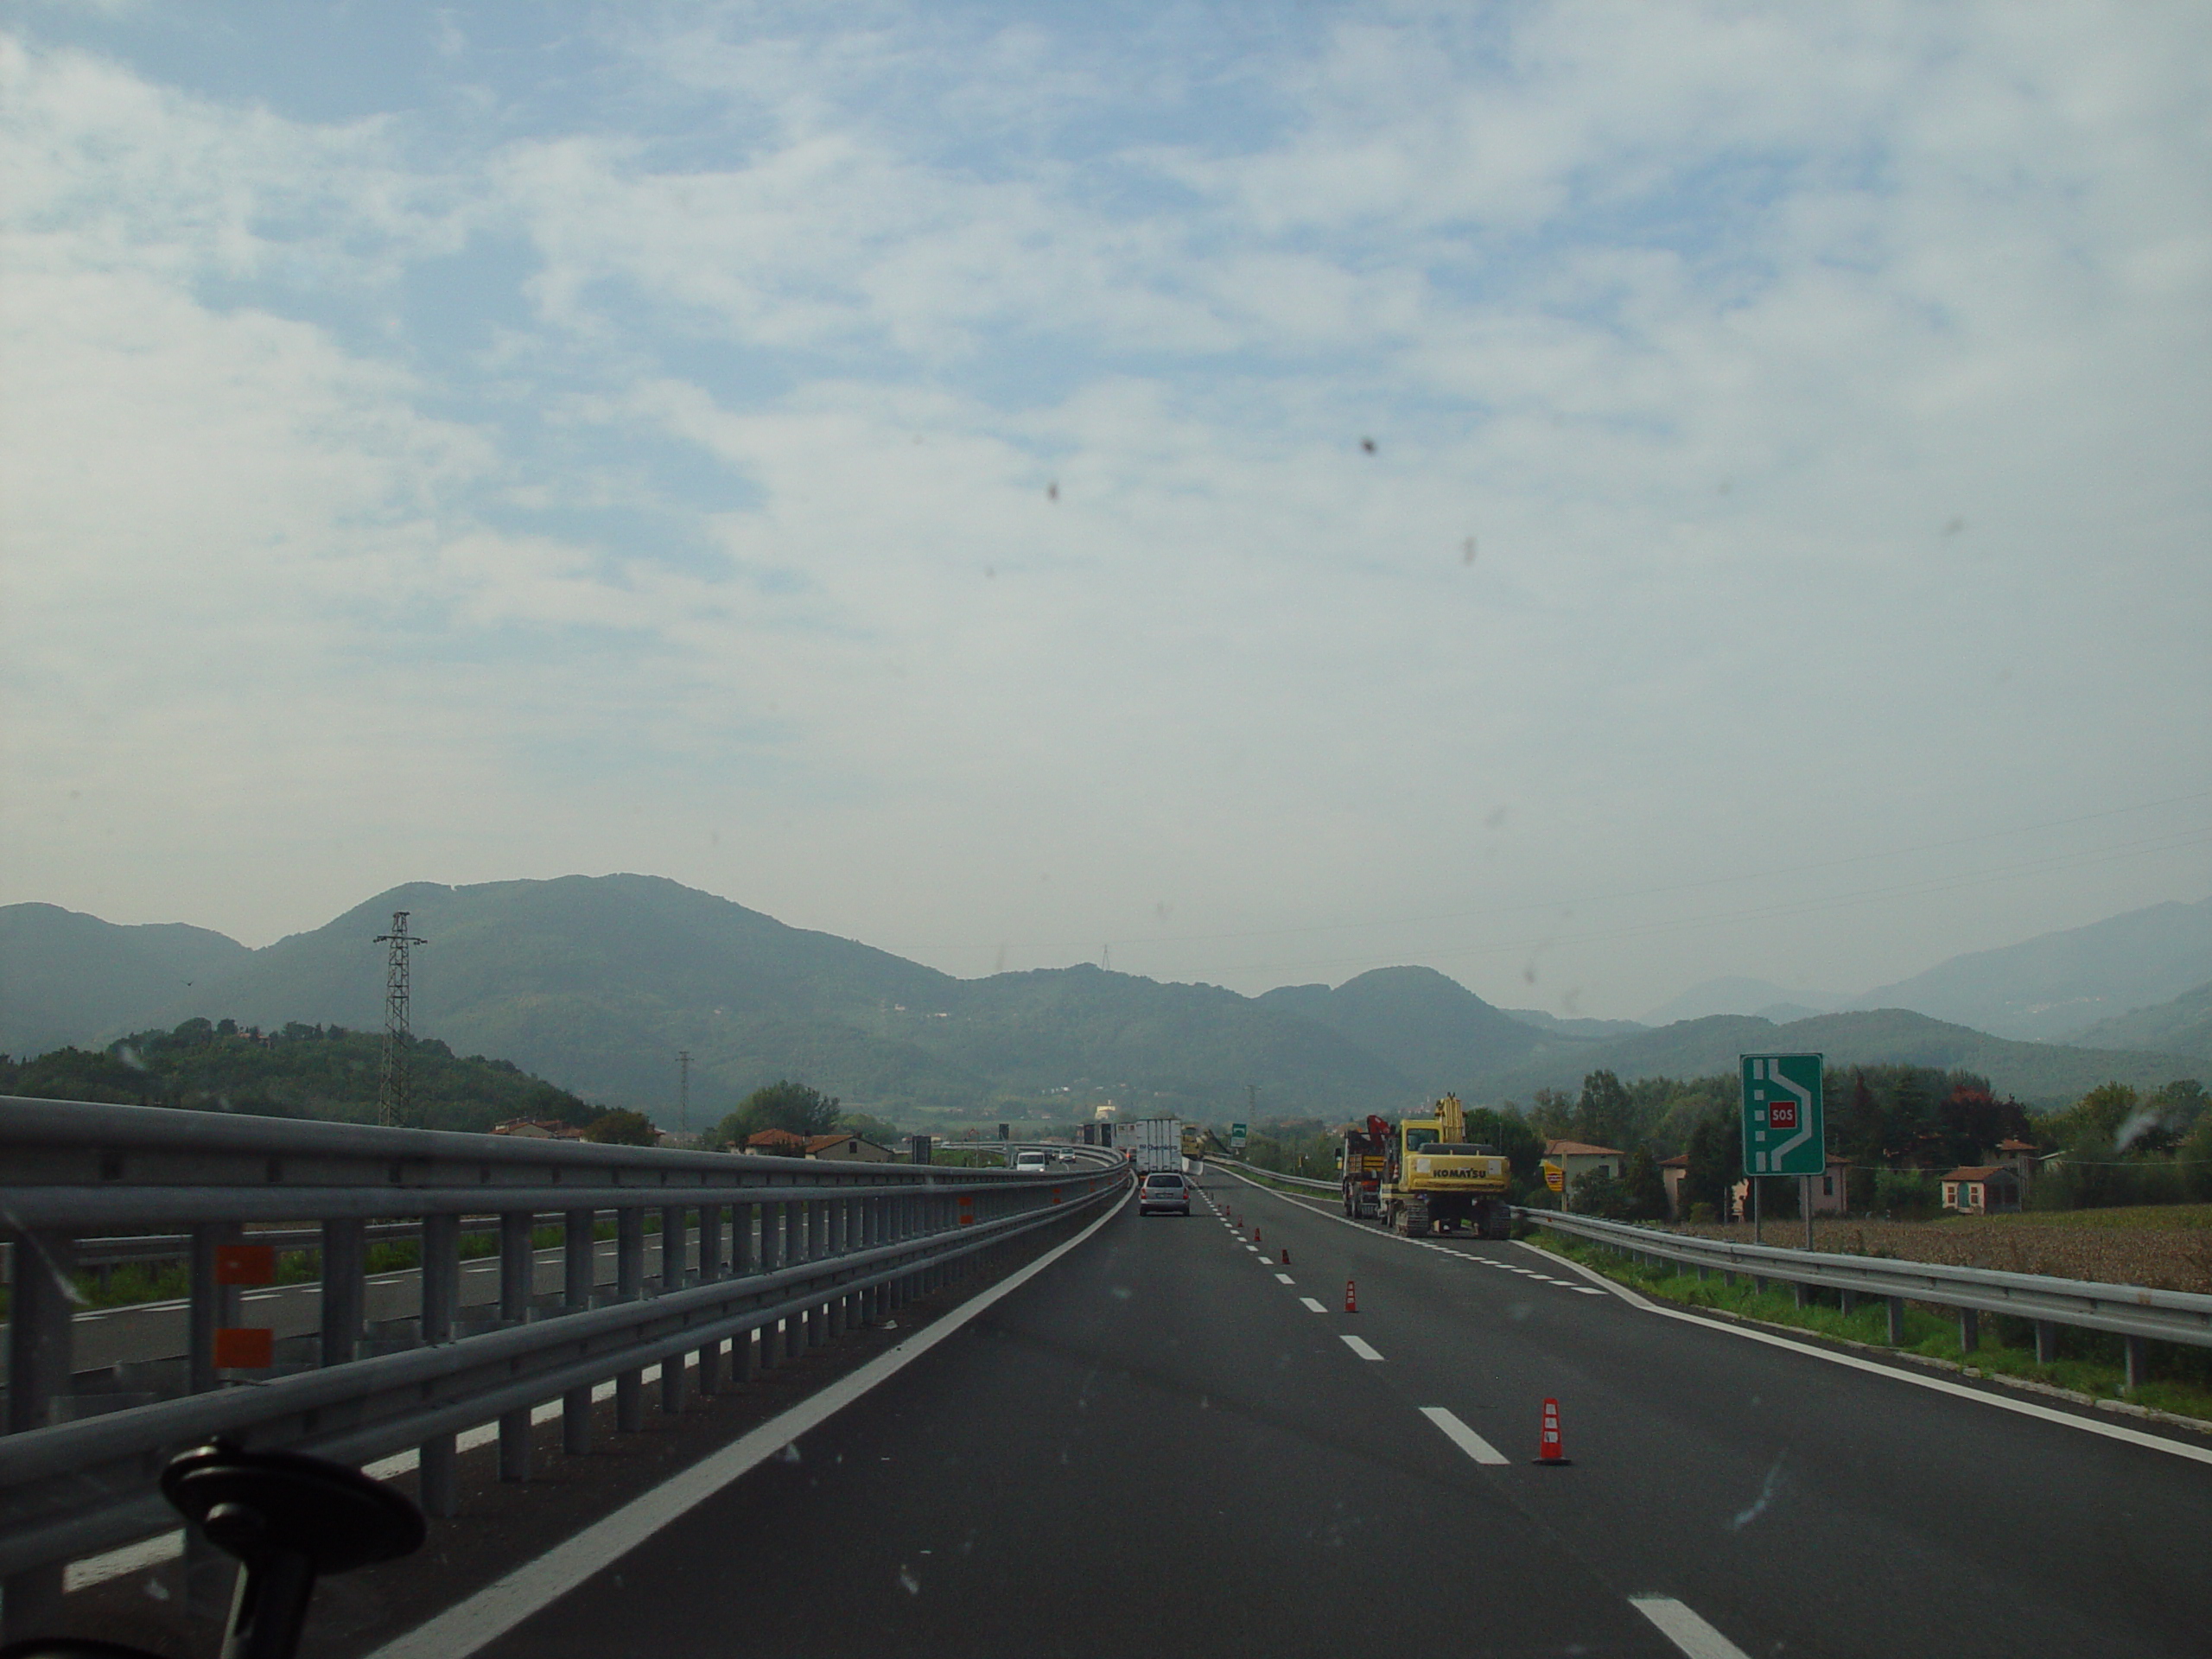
1783 1134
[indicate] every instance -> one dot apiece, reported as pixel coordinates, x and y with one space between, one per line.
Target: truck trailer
1151 1143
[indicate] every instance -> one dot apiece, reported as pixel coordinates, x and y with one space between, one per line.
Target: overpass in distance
1158 1434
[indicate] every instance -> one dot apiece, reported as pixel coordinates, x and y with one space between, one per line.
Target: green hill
65 976
1433 1029
299 1072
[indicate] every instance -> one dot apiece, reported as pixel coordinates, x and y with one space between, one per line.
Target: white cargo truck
1152 1143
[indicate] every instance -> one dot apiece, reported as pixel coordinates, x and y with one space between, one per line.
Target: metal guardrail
810 1249
1253 1172
2132 1312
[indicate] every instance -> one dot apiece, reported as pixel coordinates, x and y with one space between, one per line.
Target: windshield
645 649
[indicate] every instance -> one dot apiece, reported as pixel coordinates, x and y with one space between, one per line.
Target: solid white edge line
499 1607
1896 1373
1463 1437
1939 1384
1358 1345
1680 1625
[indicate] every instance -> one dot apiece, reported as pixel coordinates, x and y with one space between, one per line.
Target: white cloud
1706 324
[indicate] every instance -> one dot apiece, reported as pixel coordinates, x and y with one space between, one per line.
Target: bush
1702 1212
1911 1194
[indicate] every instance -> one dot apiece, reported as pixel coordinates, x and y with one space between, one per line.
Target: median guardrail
759 1259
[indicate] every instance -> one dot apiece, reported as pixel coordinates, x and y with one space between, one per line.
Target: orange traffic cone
1256 1235
1351 1296
1549 1448
1286 1255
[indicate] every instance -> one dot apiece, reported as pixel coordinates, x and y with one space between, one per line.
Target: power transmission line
684 1090
393 1107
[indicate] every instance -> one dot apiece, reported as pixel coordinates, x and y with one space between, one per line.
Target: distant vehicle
1151 1143
1164 1191
1036 1163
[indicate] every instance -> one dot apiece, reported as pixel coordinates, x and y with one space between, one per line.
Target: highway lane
100 1338
1156 1447
1802 1506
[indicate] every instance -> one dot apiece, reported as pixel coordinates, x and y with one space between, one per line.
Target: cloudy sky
1587 497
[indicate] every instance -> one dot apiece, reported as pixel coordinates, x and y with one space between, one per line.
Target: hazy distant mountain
1429 1027
1734 993
2054 987
1552 1024
2181 1026
2039 1074
66 976
597 982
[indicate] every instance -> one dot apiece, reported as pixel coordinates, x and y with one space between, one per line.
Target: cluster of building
1997 1185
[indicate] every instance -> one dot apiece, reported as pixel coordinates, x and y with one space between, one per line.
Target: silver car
1164 1192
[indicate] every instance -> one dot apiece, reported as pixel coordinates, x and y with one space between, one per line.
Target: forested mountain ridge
311 1071
597 983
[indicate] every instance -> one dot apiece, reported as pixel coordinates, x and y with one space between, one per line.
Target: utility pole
684 1090
392 1096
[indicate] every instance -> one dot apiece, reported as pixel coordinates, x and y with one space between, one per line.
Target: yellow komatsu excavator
1435 1178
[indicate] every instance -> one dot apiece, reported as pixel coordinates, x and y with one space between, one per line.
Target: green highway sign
1236 1136
1783 1133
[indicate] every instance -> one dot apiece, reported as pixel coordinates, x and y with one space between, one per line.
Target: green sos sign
1782 1131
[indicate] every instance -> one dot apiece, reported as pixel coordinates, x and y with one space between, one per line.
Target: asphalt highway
1172 1441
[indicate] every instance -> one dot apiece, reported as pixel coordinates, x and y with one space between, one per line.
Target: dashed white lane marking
1463 1437
1313 1307
1682 1627
1585 1290
1360 1348
1285 1278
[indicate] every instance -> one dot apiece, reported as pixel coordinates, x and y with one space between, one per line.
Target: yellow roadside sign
1555 1177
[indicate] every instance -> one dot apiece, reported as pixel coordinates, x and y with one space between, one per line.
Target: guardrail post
675 1250
579 1253
38 1375
209 1574
2046 1342
517 1284
1897 1321
212 1306
2139 1362
1969 1330
1803 1291
630 1287
345 1288
438 1479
